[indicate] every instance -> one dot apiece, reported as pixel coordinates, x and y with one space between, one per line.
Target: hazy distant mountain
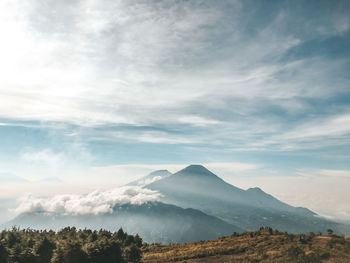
50 180
5 205
152 177
11 178
154 221
197 187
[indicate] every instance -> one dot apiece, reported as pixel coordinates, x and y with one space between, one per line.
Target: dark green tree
132 254
120 234
70 252
104 251
43 250
330 232
3 254
129 240
68 246
138 240
26 256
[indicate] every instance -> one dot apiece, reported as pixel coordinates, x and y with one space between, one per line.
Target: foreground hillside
261 246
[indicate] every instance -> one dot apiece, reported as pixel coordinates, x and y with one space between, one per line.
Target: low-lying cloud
96 202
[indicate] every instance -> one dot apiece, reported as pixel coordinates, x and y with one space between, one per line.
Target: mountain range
195 204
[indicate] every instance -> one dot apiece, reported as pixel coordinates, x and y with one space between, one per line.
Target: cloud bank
96 202
149 180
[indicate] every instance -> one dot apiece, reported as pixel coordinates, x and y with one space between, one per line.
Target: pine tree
43 250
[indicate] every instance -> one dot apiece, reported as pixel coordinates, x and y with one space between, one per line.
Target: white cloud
75 88
337 125
198 121
164 138
46 156
149 180
342 173
96 202
107 62
160 64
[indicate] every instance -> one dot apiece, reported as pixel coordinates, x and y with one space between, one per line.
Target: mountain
195 204
197 181
152 177
154 221
197 187
11 178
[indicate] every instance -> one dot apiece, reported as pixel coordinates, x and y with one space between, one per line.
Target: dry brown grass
260 246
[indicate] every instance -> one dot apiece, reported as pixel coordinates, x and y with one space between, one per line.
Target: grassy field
259 246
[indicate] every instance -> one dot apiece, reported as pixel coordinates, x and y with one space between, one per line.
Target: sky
97 93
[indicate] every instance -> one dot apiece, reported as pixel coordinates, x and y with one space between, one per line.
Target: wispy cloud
125 80
341 173
46 156
338 125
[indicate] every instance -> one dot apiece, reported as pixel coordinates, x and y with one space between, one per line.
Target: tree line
69 245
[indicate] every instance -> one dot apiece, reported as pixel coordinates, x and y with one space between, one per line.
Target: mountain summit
195 170
193 178
195 182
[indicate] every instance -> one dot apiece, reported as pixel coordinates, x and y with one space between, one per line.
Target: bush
295 253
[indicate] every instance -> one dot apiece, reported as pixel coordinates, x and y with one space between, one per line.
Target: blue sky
96 93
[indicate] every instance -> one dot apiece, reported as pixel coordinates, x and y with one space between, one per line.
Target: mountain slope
154 221
196 180
197 187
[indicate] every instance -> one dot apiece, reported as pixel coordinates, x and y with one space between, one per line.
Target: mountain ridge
154 221
197 187
153 176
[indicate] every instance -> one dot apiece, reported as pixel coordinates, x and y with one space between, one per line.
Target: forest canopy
69 245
